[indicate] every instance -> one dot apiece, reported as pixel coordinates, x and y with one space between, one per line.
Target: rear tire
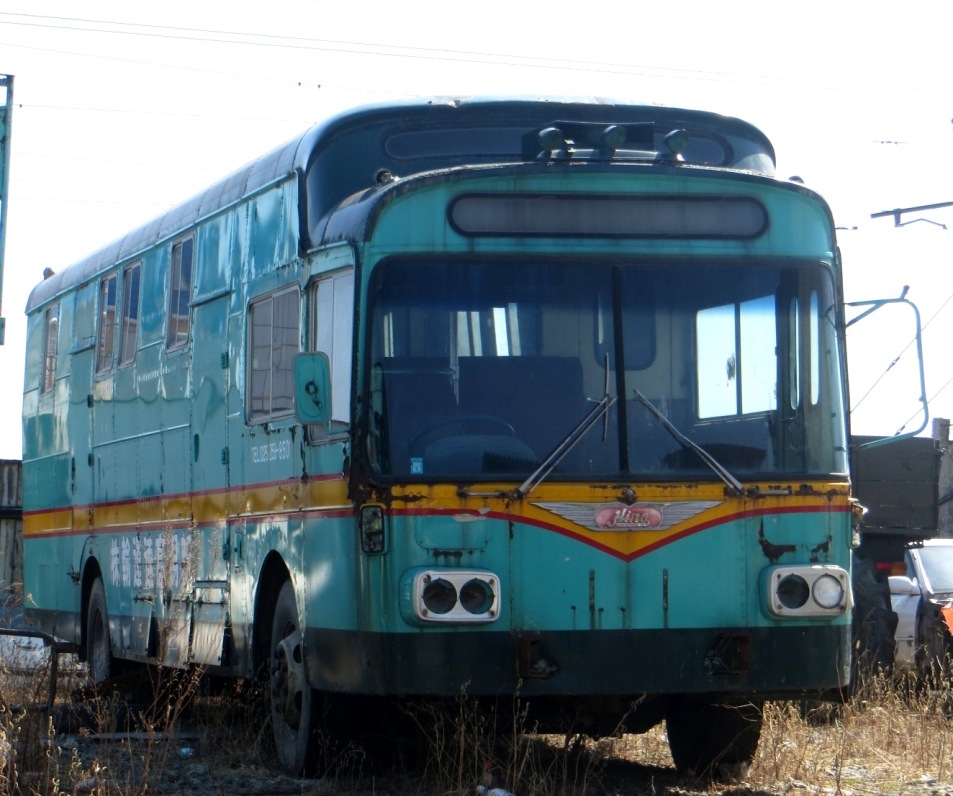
710 740
291 697
99 657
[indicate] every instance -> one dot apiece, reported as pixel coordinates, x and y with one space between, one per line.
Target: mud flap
175 635
137 639
209 615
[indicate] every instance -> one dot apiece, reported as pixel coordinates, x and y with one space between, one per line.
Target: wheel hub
288 679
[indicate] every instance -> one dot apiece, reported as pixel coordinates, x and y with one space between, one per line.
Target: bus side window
128 329
180 293
332 323
273 342
107 324
50 347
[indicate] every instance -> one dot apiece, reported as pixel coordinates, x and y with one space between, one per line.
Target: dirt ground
193 764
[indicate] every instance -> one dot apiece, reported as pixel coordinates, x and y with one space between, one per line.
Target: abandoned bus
539 398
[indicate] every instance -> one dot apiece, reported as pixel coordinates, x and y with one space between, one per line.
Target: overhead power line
210 35
153 112
186 67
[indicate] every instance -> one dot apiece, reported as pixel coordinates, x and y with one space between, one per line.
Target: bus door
211 543
80 309
114 471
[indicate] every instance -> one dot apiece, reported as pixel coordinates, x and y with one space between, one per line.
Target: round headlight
828 592
439 596
793 591
476 596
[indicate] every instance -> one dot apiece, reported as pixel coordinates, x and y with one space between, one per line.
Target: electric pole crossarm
899 211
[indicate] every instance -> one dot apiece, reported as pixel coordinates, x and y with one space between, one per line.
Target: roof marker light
551 139
677 142
613 136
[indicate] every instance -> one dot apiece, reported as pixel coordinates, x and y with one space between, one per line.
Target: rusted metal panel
11 524
898 485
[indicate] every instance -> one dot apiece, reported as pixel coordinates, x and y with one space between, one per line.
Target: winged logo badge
629 517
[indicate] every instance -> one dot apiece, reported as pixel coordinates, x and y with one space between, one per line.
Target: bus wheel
712 741
291 698
99 657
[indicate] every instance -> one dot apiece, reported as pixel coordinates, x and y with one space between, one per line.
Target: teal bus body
578 425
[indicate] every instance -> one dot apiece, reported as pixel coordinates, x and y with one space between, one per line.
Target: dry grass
889 739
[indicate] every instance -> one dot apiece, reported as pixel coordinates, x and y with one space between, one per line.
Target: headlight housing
449 596
818 590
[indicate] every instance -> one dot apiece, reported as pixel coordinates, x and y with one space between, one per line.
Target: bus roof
342 155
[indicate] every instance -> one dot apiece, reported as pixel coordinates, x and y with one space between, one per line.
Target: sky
123 109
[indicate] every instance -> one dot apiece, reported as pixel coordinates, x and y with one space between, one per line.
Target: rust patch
456 555
412 498
824 547
773 551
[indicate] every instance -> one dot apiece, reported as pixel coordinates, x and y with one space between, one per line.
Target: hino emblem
634 517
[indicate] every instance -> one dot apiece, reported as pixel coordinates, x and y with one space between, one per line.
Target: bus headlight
828 592
792 591
438 595
454 596
477 596
804 591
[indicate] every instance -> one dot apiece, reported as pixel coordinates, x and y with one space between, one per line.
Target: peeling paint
823 548
773 551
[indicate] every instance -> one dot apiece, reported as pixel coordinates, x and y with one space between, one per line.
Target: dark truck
898 483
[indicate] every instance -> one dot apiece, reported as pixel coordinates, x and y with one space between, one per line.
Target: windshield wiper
565 445
733 483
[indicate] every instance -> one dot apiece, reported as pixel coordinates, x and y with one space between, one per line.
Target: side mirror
902 585
873 306
313 387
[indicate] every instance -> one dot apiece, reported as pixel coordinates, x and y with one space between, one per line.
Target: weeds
459 745
473 744
892 736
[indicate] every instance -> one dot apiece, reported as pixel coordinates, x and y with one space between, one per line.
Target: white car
923 602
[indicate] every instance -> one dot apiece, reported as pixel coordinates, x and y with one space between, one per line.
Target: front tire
291 697
99 657
710 740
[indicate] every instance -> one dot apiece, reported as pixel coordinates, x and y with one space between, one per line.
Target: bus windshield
478 370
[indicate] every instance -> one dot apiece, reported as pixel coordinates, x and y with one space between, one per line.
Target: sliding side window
180 292
274 338
332 323
50 347
128 329
105 344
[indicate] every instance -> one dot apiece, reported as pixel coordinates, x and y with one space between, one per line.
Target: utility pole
6 110
899 211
